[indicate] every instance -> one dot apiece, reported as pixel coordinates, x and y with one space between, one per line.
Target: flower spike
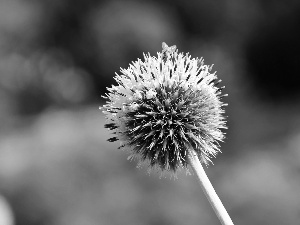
168 112
165 106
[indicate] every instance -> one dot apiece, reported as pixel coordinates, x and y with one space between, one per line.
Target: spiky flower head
165 106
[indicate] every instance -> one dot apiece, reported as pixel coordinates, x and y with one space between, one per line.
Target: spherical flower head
165 106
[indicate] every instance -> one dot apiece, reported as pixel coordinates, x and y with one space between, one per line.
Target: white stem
208 189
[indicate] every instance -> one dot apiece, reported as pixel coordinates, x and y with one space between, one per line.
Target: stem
208 189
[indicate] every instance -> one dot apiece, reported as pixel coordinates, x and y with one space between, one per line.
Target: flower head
165 106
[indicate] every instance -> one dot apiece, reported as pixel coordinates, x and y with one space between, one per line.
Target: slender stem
208 189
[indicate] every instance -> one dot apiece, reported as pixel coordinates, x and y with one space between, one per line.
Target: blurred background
58 56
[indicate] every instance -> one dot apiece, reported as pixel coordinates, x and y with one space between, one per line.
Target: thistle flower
168 112
165 106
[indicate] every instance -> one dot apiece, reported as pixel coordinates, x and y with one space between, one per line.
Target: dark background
58 56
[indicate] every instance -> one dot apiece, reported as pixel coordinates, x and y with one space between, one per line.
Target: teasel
168 111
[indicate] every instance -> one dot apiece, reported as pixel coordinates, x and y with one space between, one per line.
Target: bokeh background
58 56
